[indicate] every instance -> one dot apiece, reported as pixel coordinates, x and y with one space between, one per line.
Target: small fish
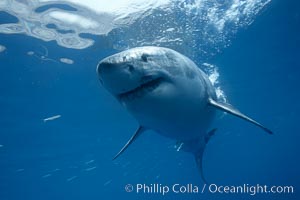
107 182
90 169
30 53
2 48
89 162
66 61
55 170
71 178
52 118
46 175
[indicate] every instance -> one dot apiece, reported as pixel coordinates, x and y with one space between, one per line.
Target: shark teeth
141 90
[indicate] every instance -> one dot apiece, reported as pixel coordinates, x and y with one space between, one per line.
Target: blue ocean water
71 157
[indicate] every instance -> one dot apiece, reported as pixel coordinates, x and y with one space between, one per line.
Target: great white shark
166 92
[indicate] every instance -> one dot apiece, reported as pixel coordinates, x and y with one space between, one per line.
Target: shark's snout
127 80
101 67
118 77
105 67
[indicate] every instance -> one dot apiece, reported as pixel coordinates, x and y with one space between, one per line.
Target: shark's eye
144 57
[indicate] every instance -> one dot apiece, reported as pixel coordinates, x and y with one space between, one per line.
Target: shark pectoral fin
233 111
133 137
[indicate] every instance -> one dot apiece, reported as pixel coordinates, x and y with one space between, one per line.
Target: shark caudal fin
133 138
199 154
199 161
227 108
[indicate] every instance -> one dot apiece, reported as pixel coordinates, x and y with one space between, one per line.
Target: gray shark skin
165 92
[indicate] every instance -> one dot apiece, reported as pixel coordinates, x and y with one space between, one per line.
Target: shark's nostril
130 68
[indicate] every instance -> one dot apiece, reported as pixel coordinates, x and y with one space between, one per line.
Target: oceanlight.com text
163 189
250 189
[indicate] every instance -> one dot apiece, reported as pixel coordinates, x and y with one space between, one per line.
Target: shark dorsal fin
233 111
133 138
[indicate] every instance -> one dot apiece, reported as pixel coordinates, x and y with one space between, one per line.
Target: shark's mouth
141 90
